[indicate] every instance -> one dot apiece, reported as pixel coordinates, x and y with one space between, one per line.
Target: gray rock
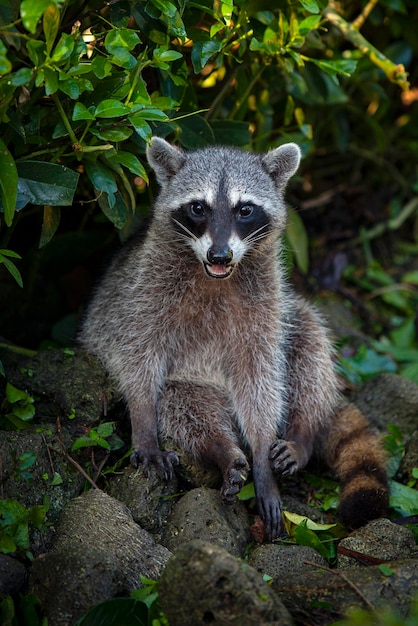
276 561
13 575
322 596
204 584
32 487
150 500
201 514
389 399
379 539
63 382
99 552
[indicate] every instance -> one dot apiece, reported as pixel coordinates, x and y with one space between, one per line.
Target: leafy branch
396 73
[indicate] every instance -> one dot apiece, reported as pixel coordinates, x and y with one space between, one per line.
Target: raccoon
211 347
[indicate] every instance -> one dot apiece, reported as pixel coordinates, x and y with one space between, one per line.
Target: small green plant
141 609
103 435
18 409
381 617
5 256
16 521
21 611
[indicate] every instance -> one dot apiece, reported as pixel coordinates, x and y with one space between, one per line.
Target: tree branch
395 73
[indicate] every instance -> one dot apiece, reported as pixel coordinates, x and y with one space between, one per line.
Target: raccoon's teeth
218 271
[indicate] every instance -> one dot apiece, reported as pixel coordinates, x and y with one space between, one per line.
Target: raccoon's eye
245 210
197 209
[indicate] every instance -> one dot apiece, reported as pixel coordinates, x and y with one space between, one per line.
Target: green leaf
247 492
111 108
309 24
26 460
51 22
298 240
82 442
141 126
63 49
101 177
112 134
50 223
131 162
202 52
51 81
149 113
310 5
13 394
8 183
165 7
81 112
117 213
31 12
5 65
346 67
403 499
7 545
10 266
121 38
56 480
46 183
116 612
306 537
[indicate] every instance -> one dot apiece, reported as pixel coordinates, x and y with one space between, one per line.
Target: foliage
86 85
16 521
21 611
102 435
380 617
17 410
141 609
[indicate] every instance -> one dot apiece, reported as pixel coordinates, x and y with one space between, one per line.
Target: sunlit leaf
51 22
31 12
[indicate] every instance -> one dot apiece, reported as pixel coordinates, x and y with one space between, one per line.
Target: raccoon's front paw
284 457
234 479
162 460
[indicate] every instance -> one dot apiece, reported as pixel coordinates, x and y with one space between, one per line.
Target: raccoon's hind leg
313 390
199 418
355 454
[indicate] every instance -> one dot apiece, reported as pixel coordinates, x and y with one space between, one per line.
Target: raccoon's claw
283 458
234 479
270 510
162 460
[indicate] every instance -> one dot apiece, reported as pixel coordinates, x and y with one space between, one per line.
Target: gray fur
222 366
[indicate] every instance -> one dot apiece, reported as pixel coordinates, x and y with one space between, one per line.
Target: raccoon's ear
282 162
165 159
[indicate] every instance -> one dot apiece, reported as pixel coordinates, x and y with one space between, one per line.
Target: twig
100 466
354 587
395 73
70 458
393 224
359 21
49 455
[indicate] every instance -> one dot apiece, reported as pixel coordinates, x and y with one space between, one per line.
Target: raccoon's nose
221 256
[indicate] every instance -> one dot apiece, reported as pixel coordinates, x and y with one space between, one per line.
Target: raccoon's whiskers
186 230
257 234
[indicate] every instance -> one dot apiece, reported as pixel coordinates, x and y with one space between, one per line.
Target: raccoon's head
222 201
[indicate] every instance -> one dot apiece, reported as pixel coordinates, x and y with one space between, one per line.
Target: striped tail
354 452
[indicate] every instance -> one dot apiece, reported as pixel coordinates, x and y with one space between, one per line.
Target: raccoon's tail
355 453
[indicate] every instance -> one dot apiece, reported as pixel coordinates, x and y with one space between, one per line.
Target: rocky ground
106 532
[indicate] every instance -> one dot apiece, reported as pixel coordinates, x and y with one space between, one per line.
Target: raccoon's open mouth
218 271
